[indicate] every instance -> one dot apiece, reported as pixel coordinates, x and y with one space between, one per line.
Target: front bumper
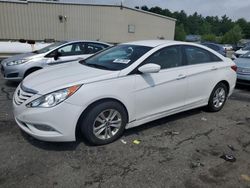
62 119
243 78
11 72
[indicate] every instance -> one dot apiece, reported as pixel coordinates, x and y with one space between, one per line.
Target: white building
39 20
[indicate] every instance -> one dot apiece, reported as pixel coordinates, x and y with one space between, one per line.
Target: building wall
40 20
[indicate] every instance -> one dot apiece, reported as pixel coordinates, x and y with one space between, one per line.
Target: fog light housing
42 127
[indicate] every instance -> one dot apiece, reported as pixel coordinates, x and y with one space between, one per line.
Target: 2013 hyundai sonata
122 87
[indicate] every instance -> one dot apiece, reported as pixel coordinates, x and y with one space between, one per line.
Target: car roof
153 43
211 43
93 41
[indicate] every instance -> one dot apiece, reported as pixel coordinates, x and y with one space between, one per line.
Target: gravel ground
178 151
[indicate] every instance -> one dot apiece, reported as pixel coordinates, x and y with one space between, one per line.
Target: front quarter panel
121 89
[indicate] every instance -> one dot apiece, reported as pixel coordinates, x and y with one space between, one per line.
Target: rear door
201 71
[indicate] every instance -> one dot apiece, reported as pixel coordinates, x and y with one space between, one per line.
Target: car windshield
48 48
247 55
116 58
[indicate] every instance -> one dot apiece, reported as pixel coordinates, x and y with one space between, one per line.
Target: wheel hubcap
107 124
219 97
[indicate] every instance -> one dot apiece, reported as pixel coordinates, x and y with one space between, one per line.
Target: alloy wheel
107 124
219 97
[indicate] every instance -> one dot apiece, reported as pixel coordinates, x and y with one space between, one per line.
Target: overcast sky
232 8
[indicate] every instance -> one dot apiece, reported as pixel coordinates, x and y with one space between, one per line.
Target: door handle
181 76
214 68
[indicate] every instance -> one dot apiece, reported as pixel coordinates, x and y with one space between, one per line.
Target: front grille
12 75
22 94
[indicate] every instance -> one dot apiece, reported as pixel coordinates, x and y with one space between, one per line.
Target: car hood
27 56
62 76
243 62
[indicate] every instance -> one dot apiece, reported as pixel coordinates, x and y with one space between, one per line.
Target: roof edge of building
86 4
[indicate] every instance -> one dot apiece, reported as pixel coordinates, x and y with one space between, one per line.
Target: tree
180 33
233 36
145 8
209 37
157 10
198 25
205 28
193 23
225 24
245 26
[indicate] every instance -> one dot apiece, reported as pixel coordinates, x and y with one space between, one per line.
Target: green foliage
245 26
233 36
212 28
180 33
209 38
205 28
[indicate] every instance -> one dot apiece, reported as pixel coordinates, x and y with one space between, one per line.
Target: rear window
196 55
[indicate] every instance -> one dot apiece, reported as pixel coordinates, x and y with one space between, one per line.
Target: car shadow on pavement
243 87
12 84
162 121
51 146
71 146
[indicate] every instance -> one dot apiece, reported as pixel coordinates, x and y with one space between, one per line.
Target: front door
165 91
67 53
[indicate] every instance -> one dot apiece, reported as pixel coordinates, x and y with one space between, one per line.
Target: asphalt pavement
182 150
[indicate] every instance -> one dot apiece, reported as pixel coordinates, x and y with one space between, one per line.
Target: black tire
212 107
88 121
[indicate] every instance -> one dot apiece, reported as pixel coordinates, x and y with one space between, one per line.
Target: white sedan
122 87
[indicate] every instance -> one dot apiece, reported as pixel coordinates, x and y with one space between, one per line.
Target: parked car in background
241 51
216 47
243 71
19 66
10 48
122 87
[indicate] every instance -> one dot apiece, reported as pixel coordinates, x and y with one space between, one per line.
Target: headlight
54 98
17 62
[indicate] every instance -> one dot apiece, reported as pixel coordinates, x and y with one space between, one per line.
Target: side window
167 57
72 49
216 48
196 55
94 47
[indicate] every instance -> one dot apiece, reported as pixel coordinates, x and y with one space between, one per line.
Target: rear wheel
104 123
217 98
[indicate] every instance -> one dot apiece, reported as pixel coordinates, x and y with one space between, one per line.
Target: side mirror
150 68
57 55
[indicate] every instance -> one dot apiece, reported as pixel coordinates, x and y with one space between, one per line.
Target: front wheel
217 98
104 123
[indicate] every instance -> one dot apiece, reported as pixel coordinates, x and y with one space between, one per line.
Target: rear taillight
234 67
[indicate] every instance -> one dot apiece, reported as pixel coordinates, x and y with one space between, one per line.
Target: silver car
19 66
243 71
